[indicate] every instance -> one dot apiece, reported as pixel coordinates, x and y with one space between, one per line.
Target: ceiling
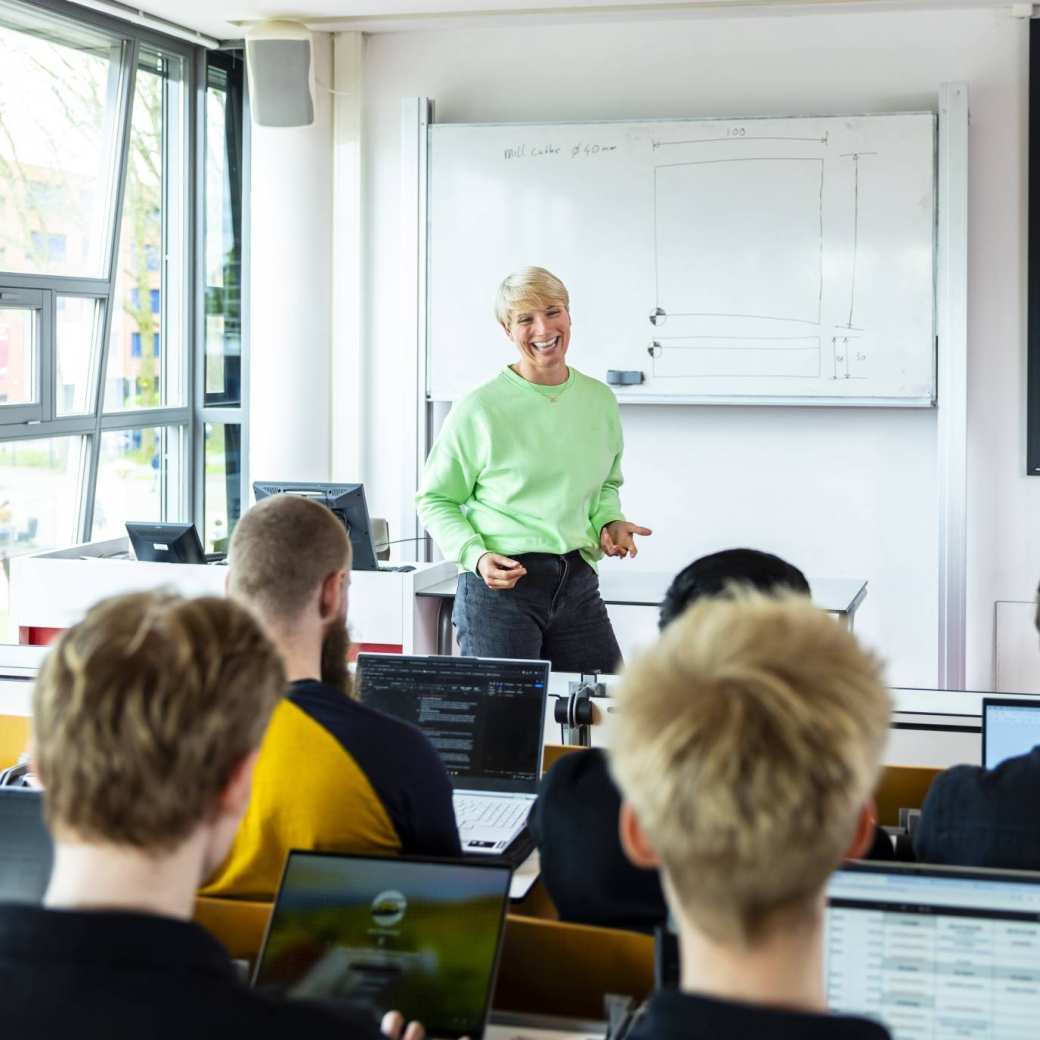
229 19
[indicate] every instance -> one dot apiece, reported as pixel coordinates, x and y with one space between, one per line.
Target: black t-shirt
976 817
575 823
687 1016
127 976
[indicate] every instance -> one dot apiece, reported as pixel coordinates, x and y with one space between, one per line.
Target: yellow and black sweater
336 775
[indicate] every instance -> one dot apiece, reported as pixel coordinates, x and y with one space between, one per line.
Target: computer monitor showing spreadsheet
935 952
1009 728
485 716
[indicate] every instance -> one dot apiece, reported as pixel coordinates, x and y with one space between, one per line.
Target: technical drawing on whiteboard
739 242
724 247
797 357
855 157
785 260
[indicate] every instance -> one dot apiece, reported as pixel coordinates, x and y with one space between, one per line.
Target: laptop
1009 727
420 936
485 717
26 851
935 951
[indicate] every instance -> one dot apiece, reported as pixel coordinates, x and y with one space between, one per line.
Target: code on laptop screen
484 716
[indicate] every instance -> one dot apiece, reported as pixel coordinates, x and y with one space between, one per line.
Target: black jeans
553 613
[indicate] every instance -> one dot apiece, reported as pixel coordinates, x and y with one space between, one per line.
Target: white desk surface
936 728
647 589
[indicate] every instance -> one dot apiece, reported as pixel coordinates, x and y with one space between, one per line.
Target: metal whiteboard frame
951 345
951 325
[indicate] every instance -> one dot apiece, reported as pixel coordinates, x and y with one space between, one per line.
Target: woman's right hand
500 572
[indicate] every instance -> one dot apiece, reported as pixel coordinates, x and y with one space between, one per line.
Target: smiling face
542 337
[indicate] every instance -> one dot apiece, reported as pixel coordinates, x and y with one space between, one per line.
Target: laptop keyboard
472 811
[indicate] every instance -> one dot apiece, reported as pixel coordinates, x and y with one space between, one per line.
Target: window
60 84
222 490
223 248
136 471
221 468
121 344
41 485
152 223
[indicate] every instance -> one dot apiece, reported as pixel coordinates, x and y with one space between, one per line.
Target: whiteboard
782 260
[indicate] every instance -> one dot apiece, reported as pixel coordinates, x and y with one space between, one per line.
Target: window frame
226 414
183 159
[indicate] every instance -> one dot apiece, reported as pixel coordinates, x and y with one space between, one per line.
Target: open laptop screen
26 852
485 716
1009 728
418 936
932 951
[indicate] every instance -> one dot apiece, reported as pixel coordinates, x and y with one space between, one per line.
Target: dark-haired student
147 717
976 817
746 831
574 820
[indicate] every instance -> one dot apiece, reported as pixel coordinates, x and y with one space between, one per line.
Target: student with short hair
575 817
333 774
977 817
747 743
147 717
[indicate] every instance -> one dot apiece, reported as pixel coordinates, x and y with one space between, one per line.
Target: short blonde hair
747 739
530 288
282 550
142 711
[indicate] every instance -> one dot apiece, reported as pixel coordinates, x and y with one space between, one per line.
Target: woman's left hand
617 538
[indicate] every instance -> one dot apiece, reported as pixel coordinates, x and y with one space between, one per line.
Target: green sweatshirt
520 468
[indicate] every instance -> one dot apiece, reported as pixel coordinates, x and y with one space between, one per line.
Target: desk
935 728
51 591
841 596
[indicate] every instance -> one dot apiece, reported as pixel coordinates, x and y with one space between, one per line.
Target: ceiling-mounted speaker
280 64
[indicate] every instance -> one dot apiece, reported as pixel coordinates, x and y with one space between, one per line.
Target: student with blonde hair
147 717
747 743
521 488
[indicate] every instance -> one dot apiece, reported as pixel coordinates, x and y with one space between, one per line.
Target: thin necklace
551 398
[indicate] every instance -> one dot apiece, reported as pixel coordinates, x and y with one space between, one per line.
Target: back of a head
713 574
142 711
746 740
282 550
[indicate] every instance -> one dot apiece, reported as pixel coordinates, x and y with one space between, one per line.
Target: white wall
291 292
840 492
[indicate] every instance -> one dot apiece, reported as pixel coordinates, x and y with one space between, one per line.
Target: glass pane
41 483
79 323
138 479
57 143
223 208
19 329
145 353
222 489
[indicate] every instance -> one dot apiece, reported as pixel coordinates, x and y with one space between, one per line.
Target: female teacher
521 488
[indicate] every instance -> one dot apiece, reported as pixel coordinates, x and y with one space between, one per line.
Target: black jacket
102 975
975 817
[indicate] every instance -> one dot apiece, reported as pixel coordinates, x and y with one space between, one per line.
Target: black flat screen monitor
166 543
347 502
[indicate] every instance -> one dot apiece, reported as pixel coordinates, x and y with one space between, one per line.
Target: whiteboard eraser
626 377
